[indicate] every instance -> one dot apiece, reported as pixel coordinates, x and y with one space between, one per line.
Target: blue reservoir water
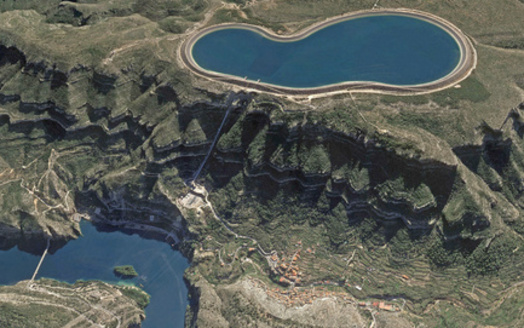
93 256
391 49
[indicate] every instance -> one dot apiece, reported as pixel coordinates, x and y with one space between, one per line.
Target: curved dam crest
388 51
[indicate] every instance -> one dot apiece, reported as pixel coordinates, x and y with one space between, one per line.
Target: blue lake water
94 255
391 49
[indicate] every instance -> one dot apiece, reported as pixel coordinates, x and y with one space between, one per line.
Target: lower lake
93 256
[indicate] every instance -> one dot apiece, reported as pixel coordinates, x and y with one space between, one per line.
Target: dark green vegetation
141 298
100 120
125 271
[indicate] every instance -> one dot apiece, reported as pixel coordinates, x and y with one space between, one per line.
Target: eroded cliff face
66 145
356 169
58 156
367 172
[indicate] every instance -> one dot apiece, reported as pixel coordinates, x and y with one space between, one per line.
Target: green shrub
125 271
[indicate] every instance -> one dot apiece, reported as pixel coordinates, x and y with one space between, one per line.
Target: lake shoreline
467 62
102 247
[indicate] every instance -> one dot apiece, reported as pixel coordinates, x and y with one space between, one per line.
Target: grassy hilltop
415 202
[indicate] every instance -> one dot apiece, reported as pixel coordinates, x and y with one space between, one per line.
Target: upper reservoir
394 49
93 256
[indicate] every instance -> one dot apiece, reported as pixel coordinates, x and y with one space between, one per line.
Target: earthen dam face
391 51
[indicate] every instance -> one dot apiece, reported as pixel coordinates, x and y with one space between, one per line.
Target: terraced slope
84 304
